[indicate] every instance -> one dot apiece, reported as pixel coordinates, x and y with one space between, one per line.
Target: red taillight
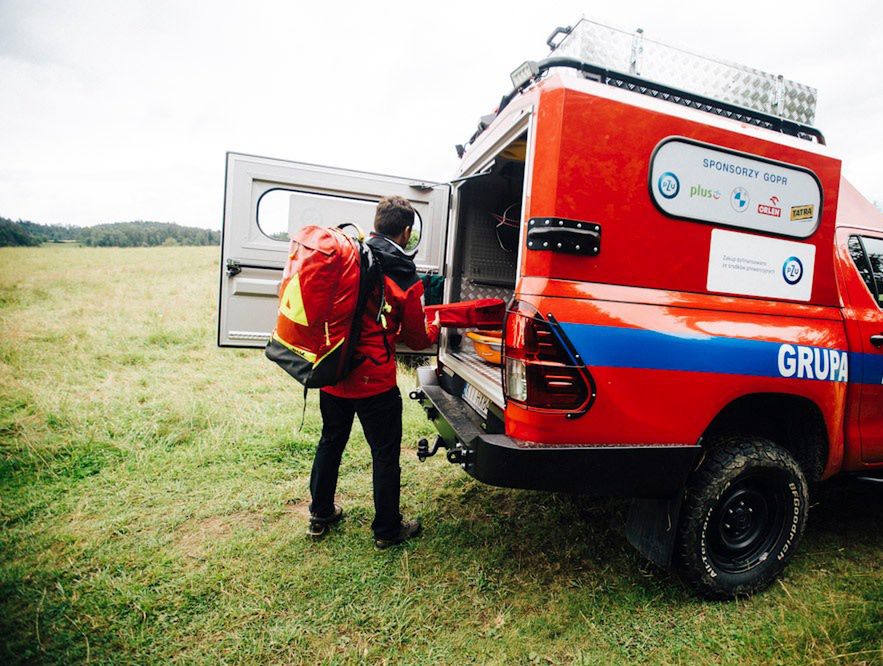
540 372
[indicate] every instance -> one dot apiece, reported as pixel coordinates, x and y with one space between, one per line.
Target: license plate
476 400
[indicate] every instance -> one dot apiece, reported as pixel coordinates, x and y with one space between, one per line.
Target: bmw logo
739 199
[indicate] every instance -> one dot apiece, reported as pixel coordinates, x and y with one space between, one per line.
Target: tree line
118 234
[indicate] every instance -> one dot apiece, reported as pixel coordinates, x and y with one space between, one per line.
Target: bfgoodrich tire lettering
744 513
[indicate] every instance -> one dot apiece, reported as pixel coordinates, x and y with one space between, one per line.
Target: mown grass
153 493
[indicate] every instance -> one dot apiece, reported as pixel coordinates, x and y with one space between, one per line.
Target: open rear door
266 200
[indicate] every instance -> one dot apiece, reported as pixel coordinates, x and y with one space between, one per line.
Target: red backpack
326 283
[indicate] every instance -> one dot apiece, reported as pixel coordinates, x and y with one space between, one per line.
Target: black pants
381 419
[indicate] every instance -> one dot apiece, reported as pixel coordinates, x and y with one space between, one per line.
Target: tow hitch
447 438
423 450
456 454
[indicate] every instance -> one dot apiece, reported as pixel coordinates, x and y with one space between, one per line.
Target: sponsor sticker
757 266
695 181
704 192
739 199
772 208
669 185
802 213
792 270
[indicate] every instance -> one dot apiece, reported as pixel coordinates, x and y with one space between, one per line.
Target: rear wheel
744 512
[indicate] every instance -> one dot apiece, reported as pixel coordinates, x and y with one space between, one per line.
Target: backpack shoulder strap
385 308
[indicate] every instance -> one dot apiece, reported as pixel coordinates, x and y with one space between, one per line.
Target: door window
283 212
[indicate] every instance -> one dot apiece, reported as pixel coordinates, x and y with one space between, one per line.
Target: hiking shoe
407 531
320 525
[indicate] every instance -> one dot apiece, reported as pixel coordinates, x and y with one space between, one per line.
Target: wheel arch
794 422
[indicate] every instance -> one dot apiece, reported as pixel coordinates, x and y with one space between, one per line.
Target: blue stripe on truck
866 368
613 346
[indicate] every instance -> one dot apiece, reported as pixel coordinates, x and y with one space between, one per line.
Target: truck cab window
867 253
857 252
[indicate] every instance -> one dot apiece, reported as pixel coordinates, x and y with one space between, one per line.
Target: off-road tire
725 549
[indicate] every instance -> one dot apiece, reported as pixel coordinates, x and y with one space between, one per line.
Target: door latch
233 267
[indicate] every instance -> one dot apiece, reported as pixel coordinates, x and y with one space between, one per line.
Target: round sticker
739 199
669 185
792 270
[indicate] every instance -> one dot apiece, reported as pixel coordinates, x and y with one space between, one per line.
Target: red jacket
405 322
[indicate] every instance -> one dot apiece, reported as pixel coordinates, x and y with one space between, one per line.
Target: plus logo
739 199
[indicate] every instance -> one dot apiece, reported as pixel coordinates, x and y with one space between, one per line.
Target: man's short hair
393 216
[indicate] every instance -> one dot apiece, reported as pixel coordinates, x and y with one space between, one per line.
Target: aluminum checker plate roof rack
649 67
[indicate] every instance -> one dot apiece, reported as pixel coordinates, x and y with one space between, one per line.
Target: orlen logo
813 363
772 209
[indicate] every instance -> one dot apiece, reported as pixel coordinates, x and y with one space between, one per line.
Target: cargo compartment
484 260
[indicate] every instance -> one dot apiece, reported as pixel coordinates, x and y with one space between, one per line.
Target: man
370 390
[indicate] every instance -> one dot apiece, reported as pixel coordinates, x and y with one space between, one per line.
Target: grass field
153 497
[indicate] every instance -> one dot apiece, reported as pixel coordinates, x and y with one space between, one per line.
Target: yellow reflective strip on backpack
308 355
291 305
328 353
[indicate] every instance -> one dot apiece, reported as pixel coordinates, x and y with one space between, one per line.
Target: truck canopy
679 196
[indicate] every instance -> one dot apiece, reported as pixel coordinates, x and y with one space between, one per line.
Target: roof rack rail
669 94
724 89
673 67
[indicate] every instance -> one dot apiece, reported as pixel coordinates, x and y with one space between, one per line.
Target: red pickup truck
694 317
694 296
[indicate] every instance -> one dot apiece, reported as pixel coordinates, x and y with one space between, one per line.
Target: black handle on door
877 340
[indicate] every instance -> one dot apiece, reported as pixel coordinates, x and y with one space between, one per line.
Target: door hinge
233 267
486 171
559 235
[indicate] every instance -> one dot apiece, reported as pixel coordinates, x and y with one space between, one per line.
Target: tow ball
455 455
423 450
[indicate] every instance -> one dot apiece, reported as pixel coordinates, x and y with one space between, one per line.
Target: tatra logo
704 192
813 363
802 212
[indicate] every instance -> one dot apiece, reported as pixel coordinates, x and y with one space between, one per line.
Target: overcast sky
123 109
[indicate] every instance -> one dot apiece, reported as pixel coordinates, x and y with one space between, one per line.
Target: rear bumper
496 459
